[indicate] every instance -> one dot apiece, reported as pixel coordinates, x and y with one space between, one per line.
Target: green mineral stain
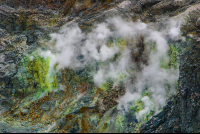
34 76
121 44
113 122
174 51
119 122
110 43
140 105
39 69
172 55
106 86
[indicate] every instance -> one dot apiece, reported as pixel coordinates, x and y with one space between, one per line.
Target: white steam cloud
75 49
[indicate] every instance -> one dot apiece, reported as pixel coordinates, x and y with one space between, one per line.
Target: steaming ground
124 53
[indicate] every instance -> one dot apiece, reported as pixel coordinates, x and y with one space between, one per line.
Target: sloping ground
182 113
22 101
80 106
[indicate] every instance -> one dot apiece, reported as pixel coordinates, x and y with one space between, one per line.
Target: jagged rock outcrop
23 23
182 113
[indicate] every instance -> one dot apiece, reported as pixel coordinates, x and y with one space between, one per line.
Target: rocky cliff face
38 96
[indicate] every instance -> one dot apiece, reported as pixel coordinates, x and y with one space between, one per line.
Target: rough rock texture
182 113
23 23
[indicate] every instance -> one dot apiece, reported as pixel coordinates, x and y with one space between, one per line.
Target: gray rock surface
20 29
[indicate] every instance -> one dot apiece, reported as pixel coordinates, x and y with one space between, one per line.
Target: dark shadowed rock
144 4
198 22
182 115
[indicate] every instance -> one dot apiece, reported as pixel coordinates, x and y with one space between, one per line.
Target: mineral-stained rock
182 114
79 106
